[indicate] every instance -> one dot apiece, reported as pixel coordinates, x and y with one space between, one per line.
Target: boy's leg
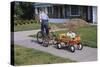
42 29
46 28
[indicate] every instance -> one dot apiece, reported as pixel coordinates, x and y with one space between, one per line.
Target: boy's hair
42 10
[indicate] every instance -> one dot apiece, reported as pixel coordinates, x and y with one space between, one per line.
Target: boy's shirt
43 16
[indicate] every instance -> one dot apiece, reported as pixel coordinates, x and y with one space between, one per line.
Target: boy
44 22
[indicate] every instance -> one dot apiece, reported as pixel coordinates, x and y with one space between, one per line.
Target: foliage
23 10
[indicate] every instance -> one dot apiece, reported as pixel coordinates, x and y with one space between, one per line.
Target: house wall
36 11
95 14
63 12
90 14
67 11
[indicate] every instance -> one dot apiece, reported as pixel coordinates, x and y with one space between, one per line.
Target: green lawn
89 35
30 56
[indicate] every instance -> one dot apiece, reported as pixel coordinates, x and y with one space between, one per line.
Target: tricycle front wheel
39 37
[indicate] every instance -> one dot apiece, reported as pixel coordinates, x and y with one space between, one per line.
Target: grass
29 56
88 35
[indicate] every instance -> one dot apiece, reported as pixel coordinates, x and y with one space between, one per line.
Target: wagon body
64 40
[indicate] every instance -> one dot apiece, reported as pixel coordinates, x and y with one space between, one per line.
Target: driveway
86 54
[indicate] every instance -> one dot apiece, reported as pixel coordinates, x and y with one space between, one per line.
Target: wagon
65 41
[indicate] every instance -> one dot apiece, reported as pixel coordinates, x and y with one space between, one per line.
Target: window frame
76 14
50 11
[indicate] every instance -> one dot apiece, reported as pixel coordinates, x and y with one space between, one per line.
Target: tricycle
45 40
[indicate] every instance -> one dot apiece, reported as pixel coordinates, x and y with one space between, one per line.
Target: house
61 12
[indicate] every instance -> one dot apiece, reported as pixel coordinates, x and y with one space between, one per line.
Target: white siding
36 12
94 14
46 10
89 13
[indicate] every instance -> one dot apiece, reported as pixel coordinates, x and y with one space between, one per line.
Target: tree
17 11
24 10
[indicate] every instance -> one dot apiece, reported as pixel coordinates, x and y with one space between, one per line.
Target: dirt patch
54 27
75 23
58 26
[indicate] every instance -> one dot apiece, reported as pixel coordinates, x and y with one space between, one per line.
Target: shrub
24 22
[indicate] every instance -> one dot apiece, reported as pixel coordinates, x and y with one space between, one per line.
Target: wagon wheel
72 48
59 46
39 37
80 46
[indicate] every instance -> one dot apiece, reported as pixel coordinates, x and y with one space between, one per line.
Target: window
38 10
49 10
74 11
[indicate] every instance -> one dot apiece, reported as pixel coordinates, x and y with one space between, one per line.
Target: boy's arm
40 18
47 17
